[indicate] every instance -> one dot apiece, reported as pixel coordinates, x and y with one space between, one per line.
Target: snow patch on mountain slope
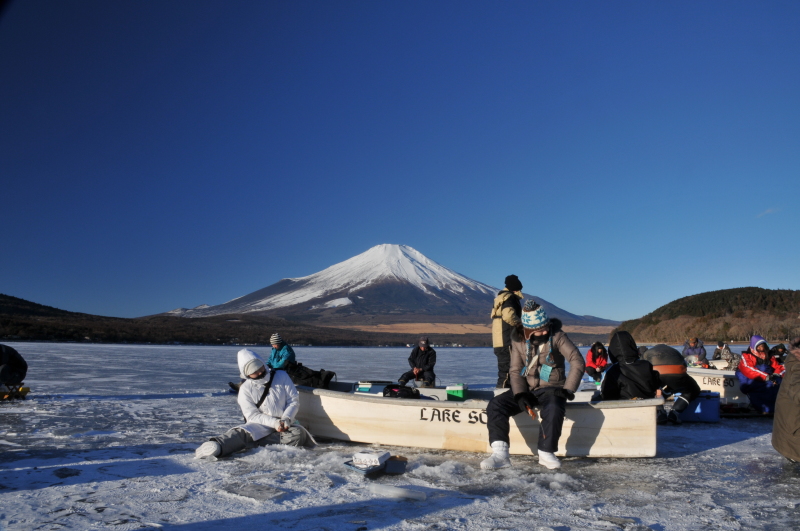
378 264
335 303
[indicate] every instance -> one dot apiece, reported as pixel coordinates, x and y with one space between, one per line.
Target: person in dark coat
422 361
13 367
630 377
671 368
786 426
778 352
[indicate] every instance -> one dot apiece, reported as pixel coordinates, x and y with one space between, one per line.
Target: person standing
539 350
269 402
422 360
786 426
282 354
505 315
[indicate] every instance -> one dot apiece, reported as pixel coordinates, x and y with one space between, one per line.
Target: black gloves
774 377
564 393
525 401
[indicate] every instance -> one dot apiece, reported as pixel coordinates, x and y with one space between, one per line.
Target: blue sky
614 155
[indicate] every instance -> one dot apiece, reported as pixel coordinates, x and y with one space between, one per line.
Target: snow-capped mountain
395 282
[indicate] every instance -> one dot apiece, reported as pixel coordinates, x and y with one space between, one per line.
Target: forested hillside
726 315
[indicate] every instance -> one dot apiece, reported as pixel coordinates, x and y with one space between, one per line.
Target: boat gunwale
472 403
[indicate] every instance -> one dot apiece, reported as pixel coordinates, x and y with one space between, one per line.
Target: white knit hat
252 366
275 339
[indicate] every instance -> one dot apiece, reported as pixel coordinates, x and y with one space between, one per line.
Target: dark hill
724 315
22 320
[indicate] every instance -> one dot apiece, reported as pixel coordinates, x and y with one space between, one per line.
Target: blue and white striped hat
534 316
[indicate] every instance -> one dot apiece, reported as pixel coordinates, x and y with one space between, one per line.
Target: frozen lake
107 438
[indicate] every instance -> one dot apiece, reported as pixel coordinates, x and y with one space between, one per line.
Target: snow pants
503 355
762 396
236 439
427 376
552 410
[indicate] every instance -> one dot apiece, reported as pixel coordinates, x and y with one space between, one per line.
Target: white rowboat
617 428
723 382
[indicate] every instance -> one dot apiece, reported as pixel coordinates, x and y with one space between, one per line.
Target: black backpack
400 391
302 375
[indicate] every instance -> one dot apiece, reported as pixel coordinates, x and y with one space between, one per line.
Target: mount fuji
386 284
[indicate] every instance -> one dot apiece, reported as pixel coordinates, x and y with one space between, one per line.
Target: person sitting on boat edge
13 367
694 347
282 355
720 351
631 377
597 361
505 315
786 426
422 360
760 376
269 402
539 349
671 368
778 352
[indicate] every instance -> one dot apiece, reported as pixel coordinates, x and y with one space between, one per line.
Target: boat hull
723 382
602 429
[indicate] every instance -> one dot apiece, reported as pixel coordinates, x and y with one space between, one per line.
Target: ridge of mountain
723 315
386 284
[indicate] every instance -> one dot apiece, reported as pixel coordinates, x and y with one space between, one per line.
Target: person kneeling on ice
596 361
760 376
269 403
538 350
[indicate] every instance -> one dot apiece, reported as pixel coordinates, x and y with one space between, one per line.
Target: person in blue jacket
282 354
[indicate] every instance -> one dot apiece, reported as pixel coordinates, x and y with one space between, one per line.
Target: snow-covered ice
107 439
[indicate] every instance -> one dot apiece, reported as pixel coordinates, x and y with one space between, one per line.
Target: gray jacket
562 350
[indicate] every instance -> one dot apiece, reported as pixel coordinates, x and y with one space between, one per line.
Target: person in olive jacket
786 424
505 315
539 349
422 361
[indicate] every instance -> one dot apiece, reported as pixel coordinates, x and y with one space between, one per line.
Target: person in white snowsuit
269 403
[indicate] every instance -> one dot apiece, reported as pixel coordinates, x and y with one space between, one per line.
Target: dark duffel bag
302 375
400 391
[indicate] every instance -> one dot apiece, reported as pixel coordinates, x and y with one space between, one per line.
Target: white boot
499 457
208 449
549 460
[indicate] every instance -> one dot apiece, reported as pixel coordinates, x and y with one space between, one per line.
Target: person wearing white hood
269 403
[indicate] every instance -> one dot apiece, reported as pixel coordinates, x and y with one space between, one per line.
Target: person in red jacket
596 361
760 375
